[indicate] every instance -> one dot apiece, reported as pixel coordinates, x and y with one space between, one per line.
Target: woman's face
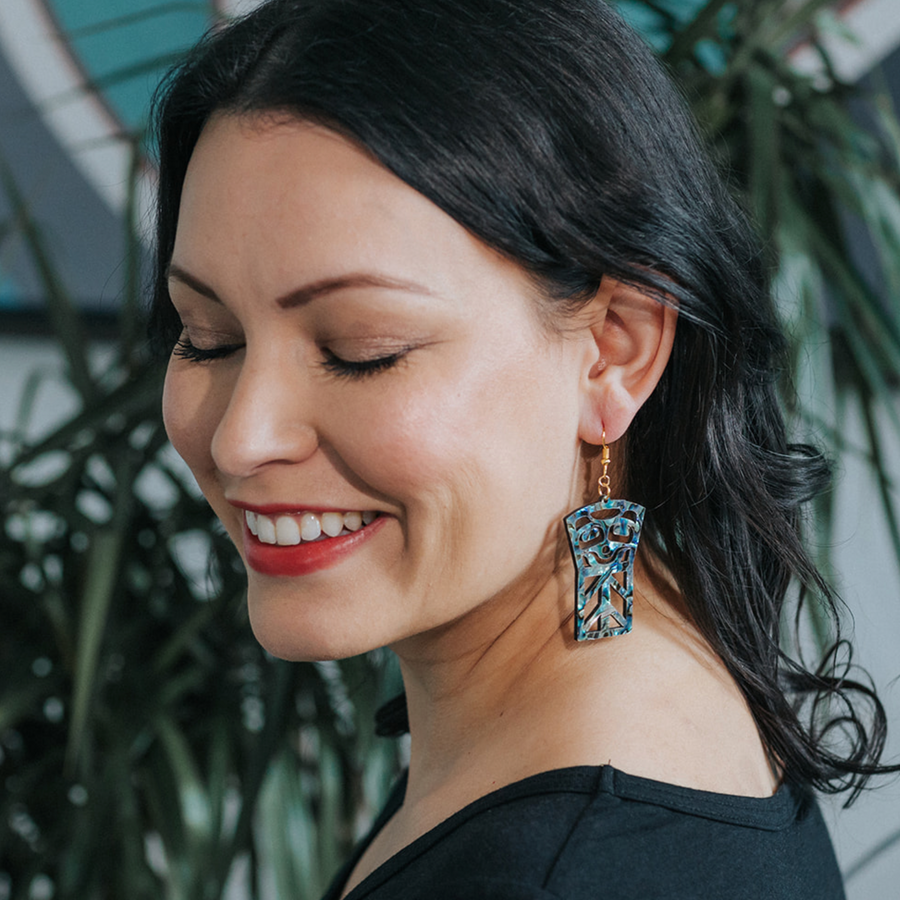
361 354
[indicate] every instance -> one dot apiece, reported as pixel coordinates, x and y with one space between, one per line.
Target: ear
632 336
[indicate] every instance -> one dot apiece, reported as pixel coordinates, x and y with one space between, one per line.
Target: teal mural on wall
76 78
123 45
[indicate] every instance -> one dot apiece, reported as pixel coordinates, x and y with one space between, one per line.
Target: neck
468 682
489 695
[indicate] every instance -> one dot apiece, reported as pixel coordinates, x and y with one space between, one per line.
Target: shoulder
551 836
663 840
585 832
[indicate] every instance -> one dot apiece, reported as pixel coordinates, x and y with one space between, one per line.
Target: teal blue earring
604 538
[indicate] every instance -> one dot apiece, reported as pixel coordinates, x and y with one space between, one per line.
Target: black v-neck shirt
595 833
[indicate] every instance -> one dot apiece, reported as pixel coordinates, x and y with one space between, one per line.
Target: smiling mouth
292 544
289 530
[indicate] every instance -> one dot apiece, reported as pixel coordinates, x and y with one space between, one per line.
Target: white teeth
266 530
310 526
332 523
287 532
290 530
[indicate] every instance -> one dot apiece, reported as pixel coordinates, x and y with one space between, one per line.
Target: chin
284 644
296 635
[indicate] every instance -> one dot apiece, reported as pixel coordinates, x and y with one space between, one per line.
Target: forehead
282 164
268 201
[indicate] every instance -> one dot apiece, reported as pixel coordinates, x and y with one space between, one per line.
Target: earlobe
632 337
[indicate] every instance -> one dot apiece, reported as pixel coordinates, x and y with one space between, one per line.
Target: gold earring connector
603 485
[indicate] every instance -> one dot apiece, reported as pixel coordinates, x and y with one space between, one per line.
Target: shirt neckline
772 813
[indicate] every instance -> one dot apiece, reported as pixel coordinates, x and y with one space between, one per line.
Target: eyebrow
307 292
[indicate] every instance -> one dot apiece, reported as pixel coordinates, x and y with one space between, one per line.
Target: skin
472 447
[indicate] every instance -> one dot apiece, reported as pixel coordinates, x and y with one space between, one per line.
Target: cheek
490 434
190 419
411 440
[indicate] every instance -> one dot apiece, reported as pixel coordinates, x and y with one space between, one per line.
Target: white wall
870 584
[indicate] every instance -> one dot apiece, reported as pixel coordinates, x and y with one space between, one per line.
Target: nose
267 419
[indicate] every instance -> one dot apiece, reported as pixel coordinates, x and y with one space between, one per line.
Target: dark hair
550 131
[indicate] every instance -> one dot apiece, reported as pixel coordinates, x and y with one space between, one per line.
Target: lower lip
304 558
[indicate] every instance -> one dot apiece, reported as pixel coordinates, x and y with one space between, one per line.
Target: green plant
816 161
147 744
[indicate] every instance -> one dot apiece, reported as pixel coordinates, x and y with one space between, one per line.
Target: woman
431 270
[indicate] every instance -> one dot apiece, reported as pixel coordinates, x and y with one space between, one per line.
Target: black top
590 833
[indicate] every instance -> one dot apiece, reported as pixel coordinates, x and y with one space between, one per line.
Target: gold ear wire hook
603 484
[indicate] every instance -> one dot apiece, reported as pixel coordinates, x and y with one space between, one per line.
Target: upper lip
269 509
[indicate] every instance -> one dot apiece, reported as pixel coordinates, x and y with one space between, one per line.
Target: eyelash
347 369
343 368
184 349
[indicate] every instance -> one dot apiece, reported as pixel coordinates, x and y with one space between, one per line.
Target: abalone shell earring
604 538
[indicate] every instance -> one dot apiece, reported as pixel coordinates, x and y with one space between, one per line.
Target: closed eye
346 368
184 349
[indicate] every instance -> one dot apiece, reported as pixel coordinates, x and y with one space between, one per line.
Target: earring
604 538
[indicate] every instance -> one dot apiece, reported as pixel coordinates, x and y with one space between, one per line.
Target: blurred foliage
148 747
817 163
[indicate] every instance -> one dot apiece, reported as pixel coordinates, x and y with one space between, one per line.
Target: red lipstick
302 559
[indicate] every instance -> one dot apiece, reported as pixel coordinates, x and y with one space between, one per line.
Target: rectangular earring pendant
604 538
